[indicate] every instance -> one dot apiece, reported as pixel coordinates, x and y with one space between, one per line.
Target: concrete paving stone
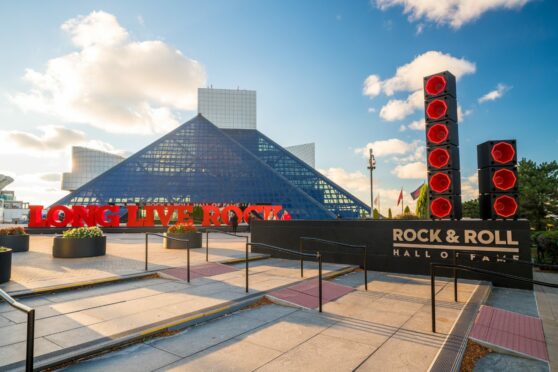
268 313
206 335
496 362
296 298
74 337
31 302
374 334
407 352
421 321
139 357
228 356
266 285
516 300
289 331
321 353
16 352
130 322
6 322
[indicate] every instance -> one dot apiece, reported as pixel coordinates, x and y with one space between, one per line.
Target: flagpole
402 200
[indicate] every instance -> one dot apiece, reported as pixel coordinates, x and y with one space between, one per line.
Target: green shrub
83 232
13 231
406 216
547 245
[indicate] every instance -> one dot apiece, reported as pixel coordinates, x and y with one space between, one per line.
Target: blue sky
308 62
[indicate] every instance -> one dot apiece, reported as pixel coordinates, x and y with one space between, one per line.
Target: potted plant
15 238
183 231
5 264
80 242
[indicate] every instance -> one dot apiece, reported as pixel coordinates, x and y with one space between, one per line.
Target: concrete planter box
5 265
18 243
79 247
194 240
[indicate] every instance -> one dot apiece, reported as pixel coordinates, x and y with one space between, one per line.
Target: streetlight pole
371 166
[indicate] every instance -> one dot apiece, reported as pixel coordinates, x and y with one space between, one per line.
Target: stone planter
194 240
5 265
18 243
79 247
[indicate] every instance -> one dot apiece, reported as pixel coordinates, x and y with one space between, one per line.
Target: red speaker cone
436 109
435 85
502 152
505 206
504 179
440 207
438 158
440 182
437 133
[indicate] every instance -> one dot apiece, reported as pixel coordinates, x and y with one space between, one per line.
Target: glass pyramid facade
199 163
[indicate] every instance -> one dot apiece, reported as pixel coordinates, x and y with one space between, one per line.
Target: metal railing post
319 256
30 353
206 246
188 261
146 243
433 296
454 277
301 259
365 271
246 267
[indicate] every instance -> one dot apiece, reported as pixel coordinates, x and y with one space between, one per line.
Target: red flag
400 198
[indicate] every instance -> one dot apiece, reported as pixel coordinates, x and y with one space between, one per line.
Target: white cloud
402 128
112 82
419 124
408 78
359 185
392 146
51 141
495 94
415 170
469 187
39 188
454 13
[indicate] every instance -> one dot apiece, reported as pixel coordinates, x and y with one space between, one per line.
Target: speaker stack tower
442 146
498 181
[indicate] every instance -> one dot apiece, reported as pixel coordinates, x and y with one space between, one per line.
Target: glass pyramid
199 163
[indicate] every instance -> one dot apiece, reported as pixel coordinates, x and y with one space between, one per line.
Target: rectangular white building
228 108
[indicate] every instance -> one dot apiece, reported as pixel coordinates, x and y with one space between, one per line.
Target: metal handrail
171 238
434 265
523 262
207 231
360 246
29 353
295 253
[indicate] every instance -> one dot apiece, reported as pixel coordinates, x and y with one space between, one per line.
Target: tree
407 210
471 208
390 216
538 192
422 203
375 214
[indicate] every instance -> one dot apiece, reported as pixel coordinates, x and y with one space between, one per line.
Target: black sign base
410 246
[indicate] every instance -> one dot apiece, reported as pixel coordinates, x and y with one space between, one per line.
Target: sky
346 75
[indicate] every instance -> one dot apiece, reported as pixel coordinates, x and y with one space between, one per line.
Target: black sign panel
410 246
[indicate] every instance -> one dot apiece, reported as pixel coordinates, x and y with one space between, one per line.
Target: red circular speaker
438 158
502 152
437 133
440 207
504 179
505 206
436 109
440 182
435 85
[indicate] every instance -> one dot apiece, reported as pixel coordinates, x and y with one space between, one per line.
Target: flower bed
80 242
183 231
15 238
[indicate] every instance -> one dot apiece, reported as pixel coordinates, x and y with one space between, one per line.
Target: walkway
71 320
125 255
547 301
387 328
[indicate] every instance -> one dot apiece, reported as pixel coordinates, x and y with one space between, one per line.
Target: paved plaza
220 327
